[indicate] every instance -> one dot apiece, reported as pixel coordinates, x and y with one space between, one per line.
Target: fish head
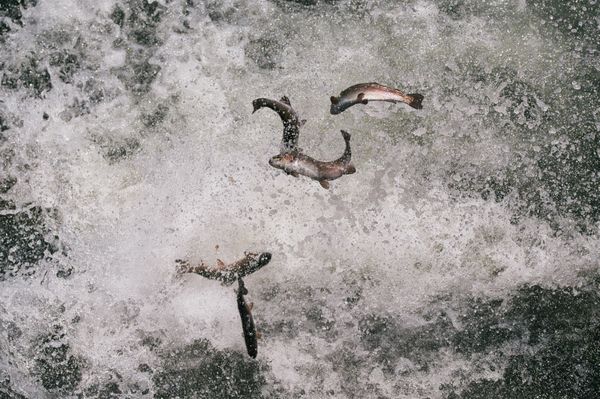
264 258
335 105
282 161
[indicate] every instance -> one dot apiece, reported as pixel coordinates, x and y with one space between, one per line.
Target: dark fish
362 93
247 320
289 117
296 163
227 274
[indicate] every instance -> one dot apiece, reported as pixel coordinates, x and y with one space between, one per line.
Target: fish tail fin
416 100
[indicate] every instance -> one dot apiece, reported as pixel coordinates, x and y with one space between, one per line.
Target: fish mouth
333 110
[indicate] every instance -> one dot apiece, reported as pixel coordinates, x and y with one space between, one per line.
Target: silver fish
362 93
296 163
289 117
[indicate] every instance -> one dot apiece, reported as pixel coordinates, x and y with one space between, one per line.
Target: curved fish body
362 93
248 327
296 163
289 117
227 274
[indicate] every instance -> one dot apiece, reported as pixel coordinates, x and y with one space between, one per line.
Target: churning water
460 261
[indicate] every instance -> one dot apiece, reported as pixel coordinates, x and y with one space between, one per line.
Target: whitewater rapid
460 260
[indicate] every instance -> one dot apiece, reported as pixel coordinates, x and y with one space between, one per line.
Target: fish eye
265 257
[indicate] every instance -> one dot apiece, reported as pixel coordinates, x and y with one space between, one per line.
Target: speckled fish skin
297 163
289 117
227 274
362 93
248 326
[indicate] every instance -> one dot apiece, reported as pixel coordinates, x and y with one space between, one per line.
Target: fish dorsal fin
334 100
285 100
324 184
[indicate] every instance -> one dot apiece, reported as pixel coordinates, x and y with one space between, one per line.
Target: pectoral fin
361 98
295 174
324 184
220 263
250 306
258 335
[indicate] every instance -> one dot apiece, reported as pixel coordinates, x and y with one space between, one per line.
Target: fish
289 117
362 93
227 274
248 327
297 163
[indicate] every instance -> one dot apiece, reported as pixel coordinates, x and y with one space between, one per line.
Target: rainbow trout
289 117
296 163
227 274
250 337
362 93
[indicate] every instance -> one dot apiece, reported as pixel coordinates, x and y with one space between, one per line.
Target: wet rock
107 390
199 370
389 340
264 51
143 20
116 152
13 9
6 391
29 75
23 240
156 117
139 75
218 12
563 325
94 90
574 18
118 15
483 328
7 183
57 369
4 28
76 109
67 64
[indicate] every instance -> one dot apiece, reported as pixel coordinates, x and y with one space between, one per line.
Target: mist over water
460 261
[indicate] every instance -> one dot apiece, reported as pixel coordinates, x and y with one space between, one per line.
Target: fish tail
416 100
346 135
257 104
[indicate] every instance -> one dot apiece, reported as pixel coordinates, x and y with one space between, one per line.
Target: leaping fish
296 163
362 93
227 274
289 117
245 309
